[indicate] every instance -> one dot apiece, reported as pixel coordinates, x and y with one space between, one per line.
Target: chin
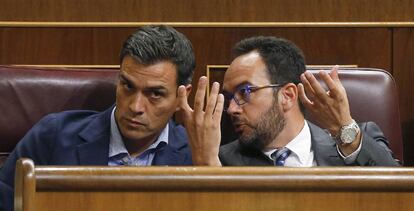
251 141
134 137
132 134
247 139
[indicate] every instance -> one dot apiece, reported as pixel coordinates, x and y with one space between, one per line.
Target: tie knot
280 155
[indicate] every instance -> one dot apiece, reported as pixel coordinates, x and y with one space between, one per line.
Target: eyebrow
157 88
150 88
244 83
124 77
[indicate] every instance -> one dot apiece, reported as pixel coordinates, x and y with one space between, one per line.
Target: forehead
248 68
162 73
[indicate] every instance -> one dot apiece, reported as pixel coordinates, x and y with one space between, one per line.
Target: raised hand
203 126
330 109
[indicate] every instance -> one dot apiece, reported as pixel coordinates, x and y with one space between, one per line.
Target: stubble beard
270 125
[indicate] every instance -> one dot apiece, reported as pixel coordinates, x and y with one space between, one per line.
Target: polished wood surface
225 201
54 178
226 188
207 11
113 24
25 185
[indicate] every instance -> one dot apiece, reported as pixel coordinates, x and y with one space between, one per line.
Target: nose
137 104
233 108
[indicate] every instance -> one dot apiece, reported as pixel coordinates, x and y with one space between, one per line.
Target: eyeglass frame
250 88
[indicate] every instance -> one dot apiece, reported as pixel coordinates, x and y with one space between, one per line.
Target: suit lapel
252 157
95 149
324 147
257 161
168 156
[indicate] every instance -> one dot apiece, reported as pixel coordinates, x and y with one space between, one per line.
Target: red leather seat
28 94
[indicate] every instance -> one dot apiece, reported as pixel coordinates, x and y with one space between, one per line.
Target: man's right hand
203 127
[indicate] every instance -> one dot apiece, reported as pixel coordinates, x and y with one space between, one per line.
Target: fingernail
202 80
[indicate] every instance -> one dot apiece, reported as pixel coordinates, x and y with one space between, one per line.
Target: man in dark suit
136 131
261 93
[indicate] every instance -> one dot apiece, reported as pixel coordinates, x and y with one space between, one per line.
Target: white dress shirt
302 154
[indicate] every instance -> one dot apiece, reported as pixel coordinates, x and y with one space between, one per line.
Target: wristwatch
347 133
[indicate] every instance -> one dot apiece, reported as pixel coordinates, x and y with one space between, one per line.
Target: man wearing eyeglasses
261 93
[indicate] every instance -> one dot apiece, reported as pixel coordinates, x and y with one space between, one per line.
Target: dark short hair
152 44
284 60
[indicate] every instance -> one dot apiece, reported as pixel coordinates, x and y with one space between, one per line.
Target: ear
188 89
289 97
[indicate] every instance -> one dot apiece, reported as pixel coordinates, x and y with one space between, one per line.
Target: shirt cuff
351 158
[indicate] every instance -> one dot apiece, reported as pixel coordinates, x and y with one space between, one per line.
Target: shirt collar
300 145
116 144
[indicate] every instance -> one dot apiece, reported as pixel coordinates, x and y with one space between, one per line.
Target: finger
212 100
218 111
182 99
334 73
339 88
303 98
316 86
307 87
200 94
332 85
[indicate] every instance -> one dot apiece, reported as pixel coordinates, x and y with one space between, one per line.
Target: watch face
348 135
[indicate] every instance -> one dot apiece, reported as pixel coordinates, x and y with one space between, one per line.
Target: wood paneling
207 11
94 46
61 45
403 65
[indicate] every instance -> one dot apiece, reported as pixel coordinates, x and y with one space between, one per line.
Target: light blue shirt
118 154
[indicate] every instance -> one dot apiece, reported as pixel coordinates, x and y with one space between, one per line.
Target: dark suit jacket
374 150
80 138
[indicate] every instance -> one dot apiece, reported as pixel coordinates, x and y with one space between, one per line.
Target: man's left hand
330 109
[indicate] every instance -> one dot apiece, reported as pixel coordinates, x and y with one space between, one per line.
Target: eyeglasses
242 95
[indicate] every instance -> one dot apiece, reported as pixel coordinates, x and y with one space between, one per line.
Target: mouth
135 123
238 127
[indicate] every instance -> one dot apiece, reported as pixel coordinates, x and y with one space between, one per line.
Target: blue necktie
280 155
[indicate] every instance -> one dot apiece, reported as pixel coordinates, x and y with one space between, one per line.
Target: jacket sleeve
36 145
374 150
